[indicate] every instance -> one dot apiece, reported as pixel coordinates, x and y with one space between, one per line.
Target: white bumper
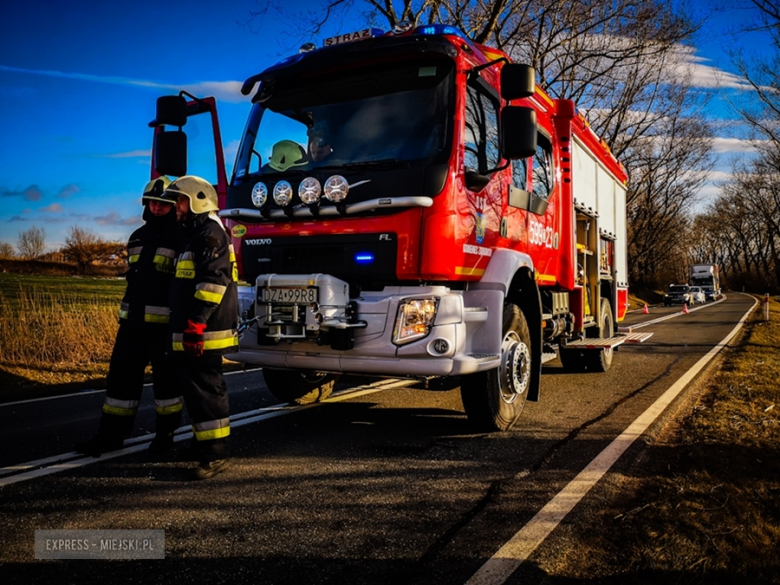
465 336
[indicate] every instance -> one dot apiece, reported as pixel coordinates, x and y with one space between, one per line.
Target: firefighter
142 337
204 319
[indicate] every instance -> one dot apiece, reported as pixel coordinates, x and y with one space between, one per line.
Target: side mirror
172 110
170 153
475 181
517 81
518 132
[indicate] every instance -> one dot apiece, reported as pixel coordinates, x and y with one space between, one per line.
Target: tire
600 361
299 387
494 400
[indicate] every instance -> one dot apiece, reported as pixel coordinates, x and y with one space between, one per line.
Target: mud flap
537 346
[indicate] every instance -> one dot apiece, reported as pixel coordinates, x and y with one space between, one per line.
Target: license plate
288 295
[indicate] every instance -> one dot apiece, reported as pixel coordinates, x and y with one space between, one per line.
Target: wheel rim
515 371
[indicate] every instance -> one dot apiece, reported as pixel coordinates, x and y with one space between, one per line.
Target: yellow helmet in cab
202 195
286 154
154 190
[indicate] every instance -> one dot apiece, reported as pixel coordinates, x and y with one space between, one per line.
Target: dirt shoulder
701 503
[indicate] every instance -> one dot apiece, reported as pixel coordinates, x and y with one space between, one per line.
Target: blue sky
79 80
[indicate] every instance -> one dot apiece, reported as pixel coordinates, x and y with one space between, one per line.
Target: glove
193 338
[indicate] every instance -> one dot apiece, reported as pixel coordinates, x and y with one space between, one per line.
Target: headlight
283 193
309 190
336 188
414 320
259 194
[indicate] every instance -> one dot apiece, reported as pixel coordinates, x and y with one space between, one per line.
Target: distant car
711 294
697 295
678 294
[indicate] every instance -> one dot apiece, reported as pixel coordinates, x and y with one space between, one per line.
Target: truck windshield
395 113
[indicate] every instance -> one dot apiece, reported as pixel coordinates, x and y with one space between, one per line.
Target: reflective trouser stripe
213 429
120 407
171 406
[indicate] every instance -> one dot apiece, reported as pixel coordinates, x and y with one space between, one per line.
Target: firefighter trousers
206 397
136 347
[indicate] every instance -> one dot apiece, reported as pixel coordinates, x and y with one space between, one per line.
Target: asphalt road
382 485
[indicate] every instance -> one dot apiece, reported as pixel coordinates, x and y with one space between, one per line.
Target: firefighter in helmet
204 318
142 338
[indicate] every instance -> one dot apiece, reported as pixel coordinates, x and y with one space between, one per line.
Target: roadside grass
702 502
55 331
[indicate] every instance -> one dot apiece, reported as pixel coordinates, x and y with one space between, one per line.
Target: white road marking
89 392
678 313
512 554
73 460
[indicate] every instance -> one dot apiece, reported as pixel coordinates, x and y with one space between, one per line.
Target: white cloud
128 154
697 72
735 145
227 91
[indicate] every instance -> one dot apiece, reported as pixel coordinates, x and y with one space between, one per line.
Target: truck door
483 185
543 213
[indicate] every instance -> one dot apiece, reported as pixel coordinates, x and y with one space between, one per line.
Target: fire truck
409 204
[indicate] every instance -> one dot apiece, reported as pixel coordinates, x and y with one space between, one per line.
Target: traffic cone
645 310
685 308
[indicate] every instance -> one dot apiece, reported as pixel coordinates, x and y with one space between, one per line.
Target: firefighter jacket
151 252
204 288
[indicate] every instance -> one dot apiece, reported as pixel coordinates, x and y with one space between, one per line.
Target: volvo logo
258 242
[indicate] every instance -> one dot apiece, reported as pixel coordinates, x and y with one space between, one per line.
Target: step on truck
410 204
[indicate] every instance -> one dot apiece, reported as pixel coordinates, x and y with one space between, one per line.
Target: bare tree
745 222
6 250
32 243
84 248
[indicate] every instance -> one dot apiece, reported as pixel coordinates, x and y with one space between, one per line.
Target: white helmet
154 190
203 197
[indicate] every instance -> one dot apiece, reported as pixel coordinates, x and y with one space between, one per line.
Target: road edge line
498 568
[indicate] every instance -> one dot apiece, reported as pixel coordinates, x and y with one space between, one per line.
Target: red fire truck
410 204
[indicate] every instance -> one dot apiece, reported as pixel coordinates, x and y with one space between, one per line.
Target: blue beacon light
364 258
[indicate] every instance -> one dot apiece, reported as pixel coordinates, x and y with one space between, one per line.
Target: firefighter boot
209 469
100 443
161 444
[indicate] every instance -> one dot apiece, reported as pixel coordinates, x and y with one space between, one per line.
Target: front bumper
465 336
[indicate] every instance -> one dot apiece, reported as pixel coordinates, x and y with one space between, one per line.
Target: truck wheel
299 387
495 399
600 361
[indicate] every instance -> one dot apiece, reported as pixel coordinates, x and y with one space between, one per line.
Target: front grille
337 255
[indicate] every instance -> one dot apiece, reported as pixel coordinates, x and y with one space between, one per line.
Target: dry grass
702 504
54 338
43 329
